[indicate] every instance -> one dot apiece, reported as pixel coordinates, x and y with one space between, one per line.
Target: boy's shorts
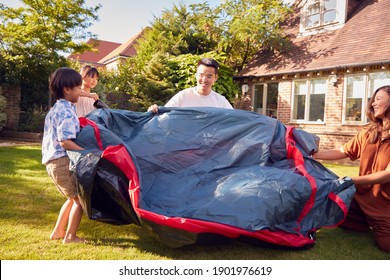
58 170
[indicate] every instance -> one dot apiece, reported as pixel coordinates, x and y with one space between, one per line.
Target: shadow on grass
332 244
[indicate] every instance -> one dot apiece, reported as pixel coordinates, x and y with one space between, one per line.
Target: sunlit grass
343 170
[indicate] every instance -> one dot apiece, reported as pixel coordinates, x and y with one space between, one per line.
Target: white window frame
341 16
306 120
369 86
265 97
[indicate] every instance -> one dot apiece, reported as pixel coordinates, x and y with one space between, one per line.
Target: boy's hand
70 145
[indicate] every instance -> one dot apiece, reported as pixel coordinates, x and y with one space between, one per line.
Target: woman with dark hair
370 207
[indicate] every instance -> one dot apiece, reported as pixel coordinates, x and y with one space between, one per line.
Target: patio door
265 99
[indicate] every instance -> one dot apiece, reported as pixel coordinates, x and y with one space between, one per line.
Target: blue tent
202 175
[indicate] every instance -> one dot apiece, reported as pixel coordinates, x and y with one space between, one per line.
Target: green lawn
30 204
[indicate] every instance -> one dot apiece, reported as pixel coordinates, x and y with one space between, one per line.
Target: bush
33 120
3 116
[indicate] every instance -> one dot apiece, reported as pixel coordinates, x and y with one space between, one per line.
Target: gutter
328 68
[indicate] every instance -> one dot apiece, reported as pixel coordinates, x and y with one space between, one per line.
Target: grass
30 204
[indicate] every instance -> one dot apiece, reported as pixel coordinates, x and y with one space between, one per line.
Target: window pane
272 100
258 101
319 87
354 99
317 100
300 90
314 9
313 15
317 106
313 20
378 80
354 109
330 4
329 16
299 107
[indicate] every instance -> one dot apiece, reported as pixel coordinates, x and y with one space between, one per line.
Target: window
266 99
319 15
355 91
358 90
309 100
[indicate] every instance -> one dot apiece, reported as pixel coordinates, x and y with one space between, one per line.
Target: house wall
12 96
113 64
284 101
332 132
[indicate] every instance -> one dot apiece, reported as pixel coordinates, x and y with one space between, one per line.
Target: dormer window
322 15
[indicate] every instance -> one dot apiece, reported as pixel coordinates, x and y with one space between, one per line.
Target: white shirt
191 98
84 105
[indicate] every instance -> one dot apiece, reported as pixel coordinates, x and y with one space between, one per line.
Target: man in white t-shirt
202 95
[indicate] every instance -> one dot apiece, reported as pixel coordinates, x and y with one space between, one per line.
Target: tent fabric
200 175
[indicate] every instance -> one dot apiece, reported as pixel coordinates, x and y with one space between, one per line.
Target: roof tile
127 49
363 39
102 49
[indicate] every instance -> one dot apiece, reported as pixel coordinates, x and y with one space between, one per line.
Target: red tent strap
84 122
119 156
294 153
336 199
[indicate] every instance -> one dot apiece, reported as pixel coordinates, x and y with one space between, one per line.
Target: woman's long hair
377 125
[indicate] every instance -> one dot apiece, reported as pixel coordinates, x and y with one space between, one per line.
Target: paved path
10 142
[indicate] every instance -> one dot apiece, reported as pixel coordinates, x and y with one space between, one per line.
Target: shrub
33 120
3 116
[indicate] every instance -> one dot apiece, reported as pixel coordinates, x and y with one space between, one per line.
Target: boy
61 127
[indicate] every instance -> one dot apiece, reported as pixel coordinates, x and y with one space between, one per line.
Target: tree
168 52
45 28
34 37
142 85
3 116
237 28
162 77
249 26
181 30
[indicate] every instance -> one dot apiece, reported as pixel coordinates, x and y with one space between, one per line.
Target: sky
119 20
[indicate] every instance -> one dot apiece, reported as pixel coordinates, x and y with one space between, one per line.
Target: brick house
101 49
121 53
107 55
340 54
